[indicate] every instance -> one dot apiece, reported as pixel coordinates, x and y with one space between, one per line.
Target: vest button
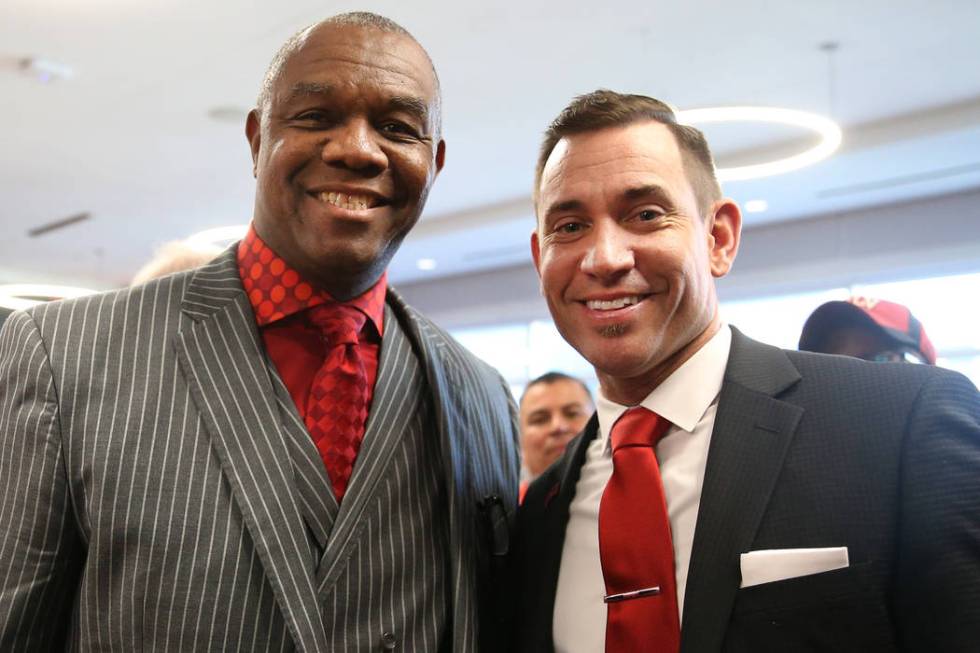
388 641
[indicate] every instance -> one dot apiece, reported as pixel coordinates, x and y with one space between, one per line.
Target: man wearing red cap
871 329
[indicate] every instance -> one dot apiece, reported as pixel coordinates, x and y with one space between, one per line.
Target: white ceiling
128 137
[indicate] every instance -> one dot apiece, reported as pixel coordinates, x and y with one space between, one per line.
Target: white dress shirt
688 398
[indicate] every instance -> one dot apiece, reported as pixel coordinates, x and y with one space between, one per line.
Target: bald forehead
392 43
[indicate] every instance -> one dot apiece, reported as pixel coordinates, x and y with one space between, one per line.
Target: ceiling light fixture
756 206
25 295
44 70
220 236
426 264
828 130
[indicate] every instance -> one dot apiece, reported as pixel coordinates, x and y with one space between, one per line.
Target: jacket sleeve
937 588
39 547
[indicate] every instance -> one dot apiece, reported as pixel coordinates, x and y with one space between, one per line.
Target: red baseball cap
894 321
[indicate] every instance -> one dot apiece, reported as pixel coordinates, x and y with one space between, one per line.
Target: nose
352 145
610 254
560 425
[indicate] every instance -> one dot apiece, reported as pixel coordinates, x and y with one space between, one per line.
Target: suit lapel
751 435
315 492
552 517
396 398
223 362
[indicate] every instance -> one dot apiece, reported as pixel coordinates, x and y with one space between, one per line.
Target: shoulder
440 344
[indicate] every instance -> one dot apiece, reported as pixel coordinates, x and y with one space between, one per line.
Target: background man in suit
553 409
793 502
271 452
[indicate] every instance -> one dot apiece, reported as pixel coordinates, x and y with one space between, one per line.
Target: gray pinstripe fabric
156 493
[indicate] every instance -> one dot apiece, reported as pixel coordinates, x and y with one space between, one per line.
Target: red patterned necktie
634 542
336 409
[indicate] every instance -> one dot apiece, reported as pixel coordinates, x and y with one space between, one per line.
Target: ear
536 251
253 129
440 155
724 235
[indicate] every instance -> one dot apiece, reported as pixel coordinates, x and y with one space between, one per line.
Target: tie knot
339 324
638 427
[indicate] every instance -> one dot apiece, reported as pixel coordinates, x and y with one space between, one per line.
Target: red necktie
336 409
634 542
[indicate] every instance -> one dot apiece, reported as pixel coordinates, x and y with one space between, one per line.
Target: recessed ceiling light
426 264
828 130
25 295
756 206
44 70
220 236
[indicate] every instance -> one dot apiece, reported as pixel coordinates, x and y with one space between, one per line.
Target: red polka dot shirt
280 297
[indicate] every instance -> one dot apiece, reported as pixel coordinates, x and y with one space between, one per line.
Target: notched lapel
222 361
752 433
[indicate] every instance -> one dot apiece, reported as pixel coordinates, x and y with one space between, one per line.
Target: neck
630 391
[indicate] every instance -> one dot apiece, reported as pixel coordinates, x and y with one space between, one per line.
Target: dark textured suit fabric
4 313
158 490
809 451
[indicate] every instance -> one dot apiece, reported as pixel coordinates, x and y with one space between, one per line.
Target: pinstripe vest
380 559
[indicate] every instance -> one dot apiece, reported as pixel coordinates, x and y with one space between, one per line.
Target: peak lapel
751 435
223 362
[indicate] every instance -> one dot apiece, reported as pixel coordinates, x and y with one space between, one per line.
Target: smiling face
627 264
345 150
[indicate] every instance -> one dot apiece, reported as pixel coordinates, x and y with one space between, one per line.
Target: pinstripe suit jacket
152 487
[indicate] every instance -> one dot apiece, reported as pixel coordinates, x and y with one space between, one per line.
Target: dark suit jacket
809 451
155 476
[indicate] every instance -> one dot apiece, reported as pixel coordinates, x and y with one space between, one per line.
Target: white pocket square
781 564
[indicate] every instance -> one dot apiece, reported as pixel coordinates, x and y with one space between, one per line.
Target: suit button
388 641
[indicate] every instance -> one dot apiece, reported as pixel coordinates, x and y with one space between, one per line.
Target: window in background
945 306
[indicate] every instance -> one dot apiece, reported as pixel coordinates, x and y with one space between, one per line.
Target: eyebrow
646 191
415 106
651 191
562 207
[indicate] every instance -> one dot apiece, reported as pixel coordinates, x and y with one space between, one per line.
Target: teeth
612 304
345 201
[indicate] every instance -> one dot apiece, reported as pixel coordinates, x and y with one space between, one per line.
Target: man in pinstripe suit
159 488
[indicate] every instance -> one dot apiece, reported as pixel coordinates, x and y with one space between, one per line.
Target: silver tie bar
635 594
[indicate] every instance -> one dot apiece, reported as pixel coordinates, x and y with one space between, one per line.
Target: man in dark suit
271 452
728 495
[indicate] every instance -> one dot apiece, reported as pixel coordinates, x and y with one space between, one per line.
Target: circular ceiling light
220 236
25 295
828 130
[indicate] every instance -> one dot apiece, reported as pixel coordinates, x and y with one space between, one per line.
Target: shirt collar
276 290
685 395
